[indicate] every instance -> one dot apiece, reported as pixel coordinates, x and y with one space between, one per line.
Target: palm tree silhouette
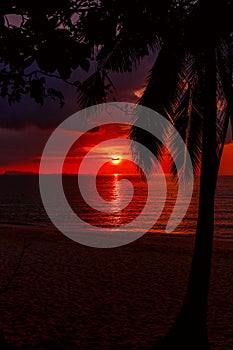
191 78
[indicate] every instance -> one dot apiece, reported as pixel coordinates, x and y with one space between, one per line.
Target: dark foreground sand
123 298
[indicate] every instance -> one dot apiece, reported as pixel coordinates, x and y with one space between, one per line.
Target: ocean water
21 204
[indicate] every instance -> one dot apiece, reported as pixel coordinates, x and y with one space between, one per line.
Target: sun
116 160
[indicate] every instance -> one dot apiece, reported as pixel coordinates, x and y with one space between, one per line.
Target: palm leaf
93 90
225 90
124 55
166 93
187 113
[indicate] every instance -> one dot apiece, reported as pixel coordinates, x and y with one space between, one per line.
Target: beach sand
122 298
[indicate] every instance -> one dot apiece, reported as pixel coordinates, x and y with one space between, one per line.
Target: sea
123 203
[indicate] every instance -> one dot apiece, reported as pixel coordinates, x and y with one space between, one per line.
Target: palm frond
93 90
161 84
124 56
187 114
121 58
170 91
224 88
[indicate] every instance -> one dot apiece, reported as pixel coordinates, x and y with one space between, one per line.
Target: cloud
21 146
27 113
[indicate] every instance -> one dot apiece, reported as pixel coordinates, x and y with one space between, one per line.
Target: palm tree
191 84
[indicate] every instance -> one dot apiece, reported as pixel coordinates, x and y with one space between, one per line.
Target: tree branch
50 75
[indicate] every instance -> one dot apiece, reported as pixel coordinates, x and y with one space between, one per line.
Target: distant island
18 172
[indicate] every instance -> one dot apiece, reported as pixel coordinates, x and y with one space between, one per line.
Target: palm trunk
190 328
194 310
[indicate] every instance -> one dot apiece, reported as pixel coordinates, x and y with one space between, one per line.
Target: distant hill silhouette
18 172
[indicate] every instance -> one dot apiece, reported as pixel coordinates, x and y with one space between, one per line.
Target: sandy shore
123 298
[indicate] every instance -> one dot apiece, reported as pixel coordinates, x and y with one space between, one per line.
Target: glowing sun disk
116 160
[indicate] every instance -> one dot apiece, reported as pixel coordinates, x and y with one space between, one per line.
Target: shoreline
51 228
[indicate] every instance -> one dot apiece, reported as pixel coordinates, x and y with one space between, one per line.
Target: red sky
27 158
89 140
227 160
26 127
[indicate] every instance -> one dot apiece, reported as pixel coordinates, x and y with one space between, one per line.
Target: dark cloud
21 146
28 113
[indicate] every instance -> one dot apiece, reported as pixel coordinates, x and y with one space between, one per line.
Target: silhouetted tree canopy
36 41
56 38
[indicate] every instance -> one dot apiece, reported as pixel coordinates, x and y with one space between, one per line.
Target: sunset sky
25 128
